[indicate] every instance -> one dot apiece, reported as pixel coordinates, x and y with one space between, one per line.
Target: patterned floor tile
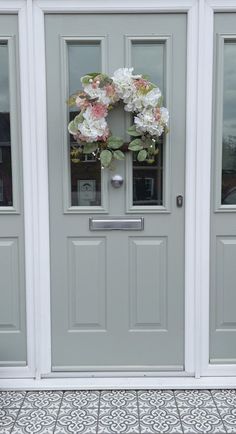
7 419
118 413
80 399
224 398
11 399
43 399
77 420
118 398
117 420
194 398
40 421
157 398
159 420
201 420
228 415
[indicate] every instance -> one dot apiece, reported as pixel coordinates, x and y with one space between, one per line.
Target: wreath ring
102 93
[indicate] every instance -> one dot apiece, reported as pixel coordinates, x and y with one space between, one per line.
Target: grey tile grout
59 409
13 426
218 411
99 403
138 411
180 419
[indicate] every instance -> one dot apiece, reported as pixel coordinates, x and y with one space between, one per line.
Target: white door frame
197 210
46 6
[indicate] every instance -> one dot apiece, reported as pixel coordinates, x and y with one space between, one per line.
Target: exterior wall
198 372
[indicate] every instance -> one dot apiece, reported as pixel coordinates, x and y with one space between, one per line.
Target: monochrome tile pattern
118 412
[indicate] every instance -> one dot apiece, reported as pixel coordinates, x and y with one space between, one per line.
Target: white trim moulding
119 383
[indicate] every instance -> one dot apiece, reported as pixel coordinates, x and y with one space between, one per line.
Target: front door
117 296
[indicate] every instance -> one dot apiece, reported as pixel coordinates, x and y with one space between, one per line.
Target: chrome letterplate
116 224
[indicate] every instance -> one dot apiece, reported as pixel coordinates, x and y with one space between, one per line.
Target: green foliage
72 128
135 145
106 157
119 155
79 118
133 132
115 142
90 147
142 155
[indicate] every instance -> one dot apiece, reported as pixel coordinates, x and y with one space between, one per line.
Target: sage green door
223 209
12 264
117 296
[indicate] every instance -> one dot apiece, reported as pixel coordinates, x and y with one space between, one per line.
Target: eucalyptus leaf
89 148
72 128
133 132
119 155
115 142
136 145
106 157
142 155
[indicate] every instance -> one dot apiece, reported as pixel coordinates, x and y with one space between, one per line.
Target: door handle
179 201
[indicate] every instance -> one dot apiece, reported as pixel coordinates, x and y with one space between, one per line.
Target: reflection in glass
148 181
5 136
148 178
149 57
229 126
83 57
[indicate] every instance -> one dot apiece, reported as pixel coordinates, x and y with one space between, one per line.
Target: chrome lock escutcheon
117 181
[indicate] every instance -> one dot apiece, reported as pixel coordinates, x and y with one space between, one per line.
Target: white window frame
199 373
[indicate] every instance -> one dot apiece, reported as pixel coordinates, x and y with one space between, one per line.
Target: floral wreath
100 94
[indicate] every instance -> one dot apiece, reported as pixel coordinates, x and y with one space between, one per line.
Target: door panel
117 297
223 223
12 282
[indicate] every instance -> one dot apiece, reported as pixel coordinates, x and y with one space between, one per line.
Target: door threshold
117 374
118 383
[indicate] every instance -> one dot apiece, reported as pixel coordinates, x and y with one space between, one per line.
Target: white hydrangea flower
97 92
134 103
146 121
151 98
164 115
123 79
92 128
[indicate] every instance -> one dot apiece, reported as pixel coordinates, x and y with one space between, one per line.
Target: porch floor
126 412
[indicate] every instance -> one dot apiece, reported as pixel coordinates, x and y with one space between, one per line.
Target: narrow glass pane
148 57
6 198
83 57
229 126
148 181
